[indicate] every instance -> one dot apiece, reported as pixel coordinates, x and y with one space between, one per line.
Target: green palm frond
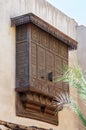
76 79
77 110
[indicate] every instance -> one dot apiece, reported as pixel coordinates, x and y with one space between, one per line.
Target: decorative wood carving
37 106
41 54
33 60
41 62
22 63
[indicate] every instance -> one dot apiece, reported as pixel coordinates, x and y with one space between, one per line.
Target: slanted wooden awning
13 126
31 18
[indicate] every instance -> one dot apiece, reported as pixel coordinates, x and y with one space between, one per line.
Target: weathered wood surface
27 18
13 126
40 59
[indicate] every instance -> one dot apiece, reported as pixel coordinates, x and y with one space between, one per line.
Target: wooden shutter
49 63
22 60
41 63
33 60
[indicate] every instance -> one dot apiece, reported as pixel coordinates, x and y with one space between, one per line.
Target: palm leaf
77 110
77 80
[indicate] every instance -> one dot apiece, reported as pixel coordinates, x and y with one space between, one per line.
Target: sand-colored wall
11 8
81 38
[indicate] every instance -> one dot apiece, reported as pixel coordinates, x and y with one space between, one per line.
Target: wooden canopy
31 18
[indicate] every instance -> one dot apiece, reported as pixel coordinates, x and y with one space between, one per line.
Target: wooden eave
31 18
13 126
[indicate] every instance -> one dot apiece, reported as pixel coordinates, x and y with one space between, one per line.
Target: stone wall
12 8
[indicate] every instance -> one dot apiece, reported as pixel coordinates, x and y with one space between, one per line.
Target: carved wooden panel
33 60
35 33
40 59
41 63
53 44
58 66
36 106
43 38
49 63
21 33
43 86
56 46
63 50
21 57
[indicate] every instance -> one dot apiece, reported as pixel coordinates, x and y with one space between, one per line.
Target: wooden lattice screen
41 54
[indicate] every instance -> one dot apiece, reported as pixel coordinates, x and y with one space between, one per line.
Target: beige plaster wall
11 8
81 38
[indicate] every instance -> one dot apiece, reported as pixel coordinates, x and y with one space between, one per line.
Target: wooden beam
31 18
13 126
